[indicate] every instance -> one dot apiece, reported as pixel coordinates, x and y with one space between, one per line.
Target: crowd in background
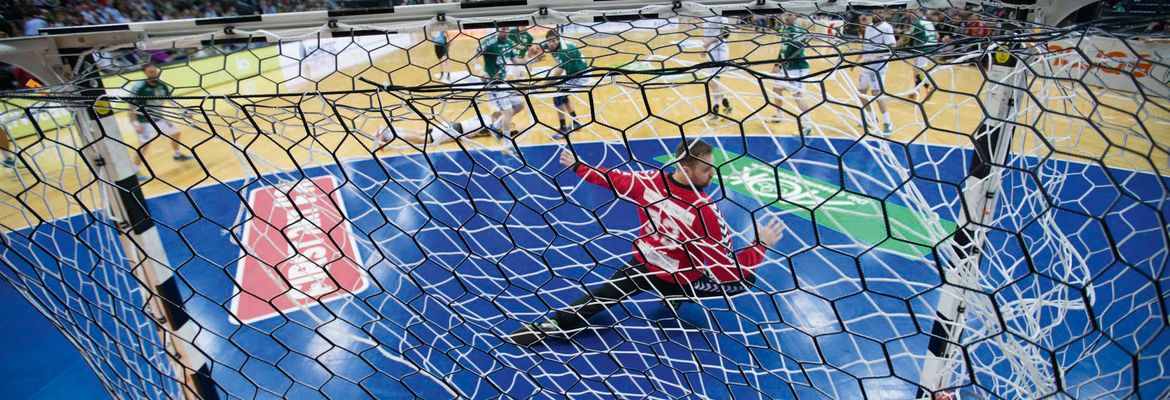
27 17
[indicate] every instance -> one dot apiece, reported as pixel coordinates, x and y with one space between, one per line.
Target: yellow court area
238 137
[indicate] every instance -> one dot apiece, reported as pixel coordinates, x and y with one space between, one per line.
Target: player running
683 251
497 51
441 48
922 39
568 63
879 42
149 124
793 65
10 157
715 33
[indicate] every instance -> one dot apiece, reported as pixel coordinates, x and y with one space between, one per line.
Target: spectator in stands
212 12
30 16
975 27
34 24
112 15
89 15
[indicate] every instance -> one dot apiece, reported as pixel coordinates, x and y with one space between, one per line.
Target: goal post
370 211
993 141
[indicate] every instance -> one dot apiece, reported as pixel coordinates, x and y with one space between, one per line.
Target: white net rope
348 229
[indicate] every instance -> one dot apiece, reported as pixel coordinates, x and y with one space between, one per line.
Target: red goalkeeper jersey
683 235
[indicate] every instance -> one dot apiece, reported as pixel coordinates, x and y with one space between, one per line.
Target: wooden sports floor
1063 120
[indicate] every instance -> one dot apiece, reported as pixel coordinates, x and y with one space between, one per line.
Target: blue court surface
457 249
36 362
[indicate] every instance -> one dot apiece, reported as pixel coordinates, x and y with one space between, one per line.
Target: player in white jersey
878 44
441 132
715 34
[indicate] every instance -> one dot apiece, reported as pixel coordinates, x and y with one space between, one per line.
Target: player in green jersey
497 52
523 41
568 63
923 38
149 123
792 64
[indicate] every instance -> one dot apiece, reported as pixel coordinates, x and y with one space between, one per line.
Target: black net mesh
972 207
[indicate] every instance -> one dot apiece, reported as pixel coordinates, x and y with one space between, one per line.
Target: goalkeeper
683 250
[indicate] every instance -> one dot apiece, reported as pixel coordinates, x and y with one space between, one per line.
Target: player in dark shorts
568 62
440 39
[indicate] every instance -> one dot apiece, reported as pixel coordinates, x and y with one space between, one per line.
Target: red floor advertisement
298 251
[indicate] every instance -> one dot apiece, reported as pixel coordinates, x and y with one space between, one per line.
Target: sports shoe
887 128
566 130
538 331
9 163
183 157
550 328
